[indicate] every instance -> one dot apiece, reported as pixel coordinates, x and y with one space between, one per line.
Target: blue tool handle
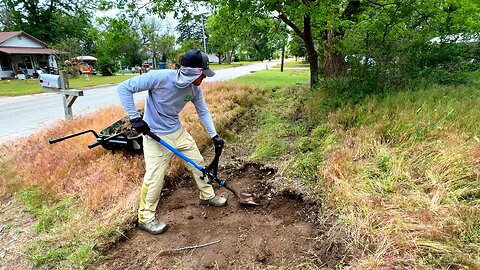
175 151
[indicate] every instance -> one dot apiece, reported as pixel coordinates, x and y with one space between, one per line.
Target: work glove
218 142
139 125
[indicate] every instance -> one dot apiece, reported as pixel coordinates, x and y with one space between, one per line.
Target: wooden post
68 96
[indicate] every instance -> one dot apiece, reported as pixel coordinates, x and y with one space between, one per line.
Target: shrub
107 66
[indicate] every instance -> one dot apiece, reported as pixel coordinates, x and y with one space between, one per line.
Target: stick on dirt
197 246
171 251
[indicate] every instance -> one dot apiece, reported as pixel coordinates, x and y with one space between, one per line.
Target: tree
391 40
296 47
191 27
225 28
50 21
120 43
159 43
372 33
262 37
232 31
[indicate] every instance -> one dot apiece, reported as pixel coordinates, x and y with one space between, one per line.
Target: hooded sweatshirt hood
186 75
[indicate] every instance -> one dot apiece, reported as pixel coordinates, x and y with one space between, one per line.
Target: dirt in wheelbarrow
279 233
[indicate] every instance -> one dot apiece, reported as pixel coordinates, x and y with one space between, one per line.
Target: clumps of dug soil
122 125
277 233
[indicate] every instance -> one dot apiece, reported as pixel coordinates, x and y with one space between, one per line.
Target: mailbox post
59 84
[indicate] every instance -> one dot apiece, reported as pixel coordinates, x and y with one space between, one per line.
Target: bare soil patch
276 233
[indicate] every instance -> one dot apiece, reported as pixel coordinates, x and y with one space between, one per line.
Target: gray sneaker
153 227
215 201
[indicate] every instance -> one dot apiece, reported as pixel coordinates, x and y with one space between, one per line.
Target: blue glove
139 125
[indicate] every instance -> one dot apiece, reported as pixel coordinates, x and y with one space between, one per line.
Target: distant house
213 58
22 54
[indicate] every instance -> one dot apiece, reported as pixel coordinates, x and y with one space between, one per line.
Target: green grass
231 65
19 87
272 79
45 209
32 86
96 80
54 218
291 63
399 167
277 120
474 77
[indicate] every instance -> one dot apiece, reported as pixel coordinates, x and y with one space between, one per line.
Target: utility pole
284 42
203 35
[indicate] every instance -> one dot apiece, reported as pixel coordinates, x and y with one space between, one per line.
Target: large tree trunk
306 36
334 62
312 53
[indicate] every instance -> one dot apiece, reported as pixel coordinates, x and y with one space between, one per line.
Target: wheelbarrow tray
120 136
117 136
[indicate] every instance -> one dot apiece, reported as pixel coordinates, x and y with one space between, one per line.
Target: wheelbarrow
110 139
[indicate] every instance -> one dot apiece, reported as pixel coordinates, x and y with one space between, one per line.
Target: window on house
5 62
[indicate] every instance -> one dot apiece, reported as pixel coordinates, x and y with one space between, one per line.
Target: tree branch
376 4
292 25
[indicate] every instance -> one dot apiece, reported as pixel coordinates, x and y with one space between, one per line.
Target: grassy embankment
399 171
84 199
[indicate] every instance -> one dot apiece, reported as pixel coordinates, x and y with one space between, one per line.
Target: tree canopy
388 40
50 21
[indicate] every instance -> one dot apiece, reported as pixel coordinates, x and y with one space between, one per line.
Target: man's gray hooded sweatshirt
168 92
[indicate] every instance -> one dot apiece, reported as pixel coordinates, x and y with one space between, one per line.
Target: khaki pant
157 158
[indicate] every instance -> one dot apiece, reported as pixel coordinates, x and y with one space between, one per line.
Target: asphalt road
22 116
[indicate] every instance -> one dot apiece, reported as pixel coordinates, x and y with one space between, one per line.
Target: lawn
275 78
232 65
32 86
295 64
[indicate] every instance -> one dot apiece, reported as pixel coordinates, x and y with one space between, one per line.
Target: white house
21 53
213 58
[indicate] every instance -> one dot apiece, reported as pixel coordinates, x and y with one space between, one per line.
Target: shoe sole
211 204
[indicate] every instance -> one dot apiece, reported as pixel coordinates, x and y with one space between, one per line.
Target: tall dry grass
404 177
105 184
399 171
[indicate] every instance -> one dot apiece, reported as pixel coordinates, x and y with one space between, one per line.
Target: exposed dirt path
278 233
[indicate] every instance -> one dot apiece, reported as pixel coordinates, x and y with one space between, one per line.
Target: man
168 93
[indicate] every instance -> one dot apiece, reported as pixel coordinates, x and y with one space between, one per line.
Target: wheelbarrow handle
175 151
51 141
